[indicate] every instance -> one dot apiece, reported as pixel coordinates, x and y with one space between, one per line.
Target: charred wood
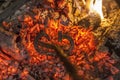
8 44
114 46
11 9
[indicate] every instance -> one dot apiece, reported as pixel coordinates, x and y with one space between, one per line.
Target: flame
95 7
84 55
84 45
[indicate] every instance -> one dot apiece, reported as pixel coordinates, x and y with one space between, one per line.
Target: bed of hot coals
93 49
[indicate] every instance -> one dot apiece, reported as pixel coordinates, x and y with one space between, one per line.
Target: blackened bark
10 10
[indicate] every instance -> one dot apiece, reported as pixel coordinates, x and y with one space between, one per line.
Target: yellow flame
98 8
95 6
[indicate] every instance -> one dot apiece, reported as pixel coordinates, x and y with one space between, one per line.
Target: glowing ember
89 62
83 54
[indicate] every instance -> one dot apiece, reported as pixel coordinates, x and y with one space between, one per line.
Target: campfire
59 40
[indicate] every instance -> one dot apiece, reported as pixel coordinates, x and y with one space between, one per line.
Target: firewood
8 44
11 9
7 39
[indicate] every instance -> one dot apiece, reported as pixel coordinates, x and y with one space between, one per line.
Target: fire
95 6
84 55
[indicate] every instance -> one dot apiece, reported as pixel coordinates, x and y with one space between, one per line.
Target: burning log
10 10
8 44
7 39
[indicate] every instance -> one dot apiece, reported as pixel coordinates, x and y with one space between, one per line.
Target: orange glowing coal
85 56
84 53
83 38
